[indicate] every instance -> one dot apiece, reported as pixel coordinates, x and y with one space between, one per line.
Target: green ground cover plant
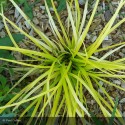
6 83
27 7
65 67
61 4
8 42
97 121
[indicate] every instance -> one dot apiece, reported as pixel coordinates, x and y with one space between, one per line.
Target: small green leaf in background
111 119
28 10
96 120
5 99
3 80
2 68
4 3
61 4
1 98
8 115
113 113
20 1
49 3
5 54
11 71
6 41
4 87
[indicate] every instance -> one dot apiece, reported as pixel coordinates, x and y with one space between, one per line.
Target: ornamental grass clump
65 68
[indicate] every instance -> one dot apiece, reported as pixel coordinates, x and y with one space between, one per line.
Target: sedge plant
65 67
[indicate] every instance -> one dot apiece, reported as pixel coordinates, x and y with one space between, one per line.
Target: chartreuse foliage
66 67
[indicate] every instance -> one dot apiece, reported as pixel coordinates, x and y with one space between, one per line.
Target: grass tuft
65 69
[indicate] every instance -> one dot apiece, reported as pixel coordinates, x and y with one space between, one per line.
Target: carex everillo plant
65 67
